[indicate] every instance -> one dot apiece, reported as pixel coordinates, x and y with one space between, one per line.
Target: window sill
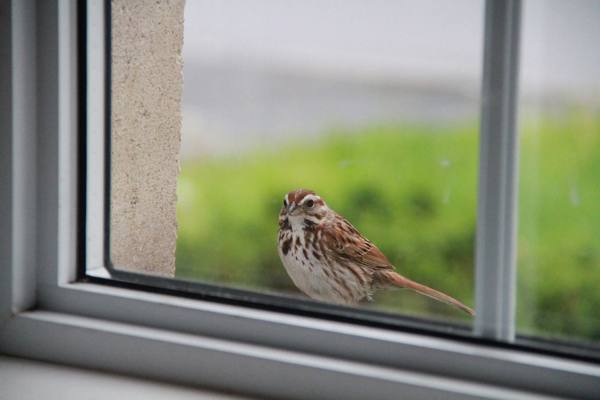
219 364
264 353
31 380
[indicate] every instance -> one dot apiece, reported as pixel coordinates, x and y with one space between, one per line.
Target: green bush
559 226
412 190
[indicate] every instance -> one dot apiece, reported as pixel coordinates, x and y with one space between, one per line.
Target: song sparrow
329 259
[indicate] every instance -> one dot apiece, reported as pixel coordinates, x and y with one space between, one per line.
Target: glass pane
559 230
374 105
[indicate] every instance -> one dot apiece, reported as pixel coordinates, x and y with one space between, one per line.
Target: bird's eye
310 203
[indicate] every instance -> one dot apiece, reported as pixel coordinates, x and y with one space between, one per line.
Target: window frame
47 313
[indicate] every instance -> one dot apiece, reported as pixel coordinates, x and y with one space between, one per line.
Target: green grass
412 190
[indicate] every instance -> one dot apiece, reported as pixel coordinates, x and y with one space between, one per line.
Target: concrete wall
147 39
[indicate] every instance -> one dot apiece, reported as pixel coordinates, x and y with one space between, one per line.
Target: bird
329 260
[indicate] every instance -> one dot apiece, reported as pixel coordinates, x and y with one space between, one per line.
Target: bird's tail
398 280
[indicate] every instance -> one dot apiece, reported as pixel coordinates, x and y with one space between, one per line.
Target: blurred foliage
411 189
559 226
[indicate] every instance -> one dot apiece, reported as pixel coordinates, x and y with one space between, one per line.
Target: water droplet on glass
344 164
447 194
574 196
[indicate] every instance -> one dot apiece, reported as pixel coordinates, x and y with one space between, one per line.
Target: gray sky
351 36
422 39
263 70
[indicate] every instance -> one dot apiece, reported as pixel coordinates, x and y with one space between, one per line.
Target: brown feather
394 278
356 247
362 251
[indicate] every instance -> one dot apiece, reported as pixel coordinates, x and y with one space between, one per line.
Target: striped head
302 206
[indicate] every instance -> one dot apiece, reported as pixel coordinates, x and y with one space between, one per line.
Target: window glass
559 229
373 105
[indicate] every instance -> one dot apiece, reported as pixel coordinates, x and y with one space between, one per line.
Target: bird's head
302 206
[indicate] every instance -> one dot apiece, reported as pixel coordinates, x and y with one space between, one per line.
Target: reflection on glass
559 230
372 105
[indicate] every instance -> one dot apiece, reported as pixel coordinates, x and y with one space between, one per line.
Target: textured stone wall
147 39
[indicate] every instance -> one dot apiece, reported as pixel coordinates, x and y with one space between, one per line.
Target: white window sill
33 380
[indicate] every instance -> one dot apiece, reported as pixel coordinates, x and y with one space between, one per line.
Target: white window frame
46 314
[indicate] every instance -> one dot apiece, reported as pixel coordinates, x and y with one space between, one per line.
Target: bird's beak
291 208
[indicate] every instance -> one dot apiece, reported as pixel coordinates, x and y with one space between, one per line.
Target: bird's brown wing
367 254
349 247
347 243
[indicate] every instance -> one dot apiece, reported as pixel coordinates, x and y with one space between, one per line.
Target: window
382 125
382 122
144 325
